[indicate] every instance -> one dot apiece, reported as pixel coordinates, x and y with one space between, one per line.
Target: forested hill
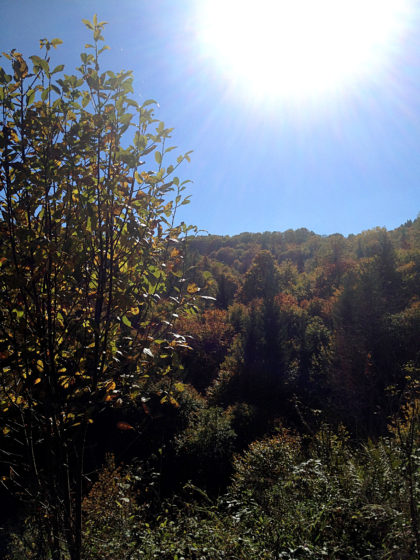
304 248
329 322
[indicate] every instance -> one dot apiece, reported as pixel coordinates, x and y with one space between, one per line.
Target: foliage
289 498
296 374
344 505
210 334
205 447
91 269
110 511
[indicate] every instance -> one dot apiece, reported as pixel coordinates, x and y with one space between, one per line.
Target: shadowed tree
91 271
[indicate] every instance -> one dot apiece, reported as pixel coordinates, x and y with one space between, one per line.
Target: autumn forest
170 394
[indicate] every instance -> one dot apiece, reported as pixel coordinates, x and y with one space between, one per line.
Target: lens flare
301 47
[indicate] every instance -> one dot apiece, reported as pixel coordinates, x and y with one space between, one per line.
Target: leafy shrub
205 447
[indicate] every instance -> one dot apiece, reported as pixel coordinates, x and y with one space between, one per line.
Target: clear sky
344 160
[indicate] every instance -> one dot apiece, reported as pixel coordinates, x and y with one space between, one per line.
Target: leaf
149 102
174 253
126 321
45 93
124 426
58 68
148 352
179 387
36 60
37 380
30 96
174 402
56 42
87 23
158 157
193 288
40 62
111 386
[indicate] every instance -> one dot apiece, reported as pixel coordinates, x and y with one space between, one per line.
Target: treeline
304 322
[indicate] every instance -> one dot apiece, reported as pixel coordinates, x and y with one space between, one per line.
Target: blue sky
343 163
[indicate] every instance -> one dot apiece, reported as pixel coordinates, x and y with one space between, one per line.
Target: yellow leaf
193 288
174 402
37 380
40 365
180 387
174 253
134 310
111 386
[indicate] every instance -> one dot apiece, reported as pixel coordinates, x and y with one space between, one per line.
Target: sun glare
300 47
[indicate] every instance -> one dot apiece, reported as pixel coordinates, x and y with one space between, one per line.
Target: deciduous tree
89 251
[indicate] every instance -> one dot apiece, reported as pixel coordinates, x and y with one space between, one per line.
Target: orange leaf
124 426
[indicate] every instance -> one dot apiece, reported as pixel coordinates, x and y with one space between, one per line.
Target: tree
91 270
262 280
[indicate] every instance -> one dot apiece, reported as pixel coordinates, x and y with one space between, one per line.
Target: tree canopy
91 268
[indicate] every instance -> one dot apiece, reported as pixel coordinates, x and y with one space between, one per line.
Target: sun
300 47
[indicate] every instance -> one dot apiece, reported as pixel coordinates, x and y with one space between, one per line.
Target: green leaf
58 68
149 102
126 321
30 96
86 99
37 61
158 157
45 93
